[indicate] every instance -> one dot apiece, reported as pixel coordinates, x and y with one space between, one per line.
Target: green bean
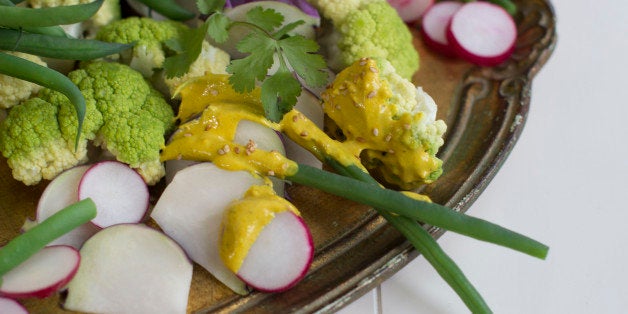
20 248
169 9
18 17
430 213
56 47
48 30
41 75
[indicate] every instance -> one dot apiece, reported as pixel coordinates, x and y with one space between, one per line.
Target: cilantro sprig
269 44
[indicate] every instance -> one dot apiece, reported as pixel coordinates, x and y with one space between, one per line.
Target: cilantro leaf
253 67
267 19
279 94
209 6
287 28
218 27
189 47
300 53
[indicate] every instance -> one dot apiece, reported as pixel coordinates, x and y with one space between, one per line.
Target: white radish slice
10 306
290 12
310 106
190 211
482 33
119 192
264 139
434 26
280 256
42 274
61 192
130 268
410 10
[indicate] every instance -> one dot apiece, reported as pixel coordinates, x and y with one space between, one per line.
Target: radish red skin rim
304 271
50 289
483 60
439 8
14 305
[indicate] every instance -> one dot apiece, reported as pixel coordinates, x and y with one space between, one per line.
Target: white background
563 184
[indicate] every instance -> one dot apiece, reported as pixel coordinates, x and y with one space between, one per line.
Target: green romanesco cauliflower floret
124 115
338 10
136 117
149 36
367 28
13 90
388 122
109 11
31 140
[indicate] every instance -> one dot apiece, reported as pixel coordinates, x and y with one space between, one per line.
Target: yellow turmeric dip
244 220
378 134
359 103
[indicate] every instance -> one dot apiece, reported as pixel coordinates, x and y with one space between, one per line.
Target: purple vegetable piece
303 5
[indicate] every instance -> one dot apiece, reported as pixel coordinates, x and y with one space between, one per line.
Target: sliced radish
10 306
434 26
42 274
130 268
310 106
482 33
265 242
410 10
190 211
120 193
60 193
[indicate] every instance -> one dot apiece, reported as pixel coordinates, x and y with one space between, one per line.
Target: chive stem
430 213
424 243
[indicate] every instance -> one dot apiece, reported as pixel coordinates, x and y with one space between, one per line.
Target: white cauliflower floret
211 59
14 90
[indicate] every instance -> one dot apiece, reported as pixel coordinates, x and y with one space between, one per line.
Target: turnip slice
434 26
482 33
10 306
264 139
281 255
410 10
60 193
120 193
190 211
310 106
42 274
130 268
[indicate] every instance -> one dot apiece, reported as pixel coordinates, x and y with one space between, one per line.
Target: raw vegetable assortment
242 68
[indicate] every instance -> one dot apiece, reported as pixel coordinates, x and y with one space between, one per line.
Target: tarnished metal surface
485 110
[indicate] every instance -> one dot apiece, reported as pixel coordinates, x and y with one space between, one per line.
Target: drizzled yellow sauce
244 220
356 101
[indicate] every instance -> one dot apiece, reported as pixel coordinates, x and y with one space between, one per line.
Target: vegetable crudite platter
99 135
